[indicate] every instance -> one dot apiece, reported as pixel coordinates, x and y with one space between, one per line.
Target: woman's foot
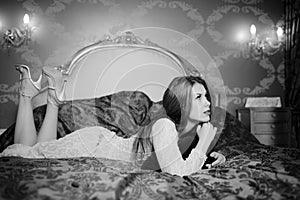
28 88
56 85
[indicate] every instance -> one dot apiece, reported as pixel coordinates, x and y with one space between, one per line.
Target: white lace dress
87 142
101 142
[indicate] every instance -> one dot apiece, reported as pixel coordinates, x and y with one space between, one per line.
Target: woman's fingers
208 166
206 130
214 154
216 162
220 158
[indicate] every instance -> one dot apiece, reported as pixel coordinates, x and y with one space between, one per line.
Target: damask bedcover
252 171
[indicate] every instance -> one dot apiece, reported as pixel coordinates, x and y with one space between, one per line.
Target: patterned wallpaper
65 26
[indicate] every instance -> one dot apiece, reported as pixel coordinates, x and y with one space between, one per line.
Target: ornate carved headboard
123 63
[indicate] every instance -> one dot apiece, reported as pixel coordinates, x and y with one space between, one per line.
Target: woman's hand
206 134
220 158
206 131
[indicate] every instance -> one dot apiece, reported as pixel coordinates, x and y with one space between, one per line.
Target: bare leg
48 130
25 131
55 97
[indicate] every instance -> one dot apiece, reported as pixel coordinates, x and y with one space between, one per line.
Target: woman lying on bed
187 107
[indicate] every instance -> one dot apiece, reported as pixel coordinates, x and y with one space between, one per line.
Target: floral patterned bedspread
252 171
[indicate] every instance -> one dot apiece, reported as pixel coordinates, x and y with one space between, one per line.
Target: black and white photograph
149 99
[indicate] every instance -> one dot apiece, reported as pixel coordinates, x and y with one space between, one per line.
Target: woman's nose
207 103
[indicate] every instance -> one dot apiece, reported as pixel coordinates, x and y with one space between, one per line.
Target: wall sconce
265 44
16 37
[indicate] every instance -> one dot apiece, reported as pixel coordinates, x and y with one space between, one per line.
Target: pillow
123 112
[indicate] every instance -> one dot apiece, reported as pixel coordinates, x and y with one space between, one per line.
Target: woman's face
200 108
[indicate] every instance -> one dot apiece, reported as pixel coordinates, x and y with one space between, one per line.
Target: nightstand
270 125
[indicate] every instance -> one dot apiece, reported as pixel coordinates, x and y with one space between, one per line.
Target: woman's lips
207 112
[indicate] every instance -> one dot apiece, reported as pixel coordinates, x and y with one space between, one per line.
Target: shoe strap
51 88
25 95
24 79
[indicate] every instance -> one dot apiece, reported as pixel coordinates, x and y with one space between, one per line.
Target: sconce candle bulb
279 33
26 19
265 44
252 30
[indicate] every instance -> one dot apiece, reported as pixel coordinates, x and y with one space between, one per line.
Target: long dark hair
177 106
177 99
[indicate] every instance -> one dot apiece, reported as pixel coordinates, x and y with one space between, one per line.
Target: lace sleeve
165 138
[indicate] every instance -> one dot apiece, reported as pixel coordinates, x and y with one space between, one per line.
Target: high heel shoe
56 82
27 75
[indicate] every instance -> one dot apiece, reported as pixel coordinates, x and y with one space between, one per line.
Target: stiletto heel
57 82
36 84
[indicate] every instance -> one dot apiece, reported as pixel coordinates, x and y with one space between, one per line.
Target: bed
122 103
